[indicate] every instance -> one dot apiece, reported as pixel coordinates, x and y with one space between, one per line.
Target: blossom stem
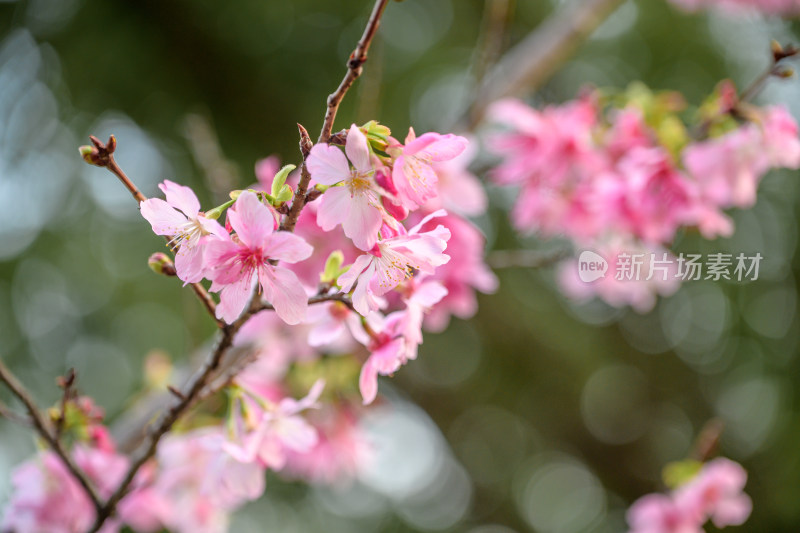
42 427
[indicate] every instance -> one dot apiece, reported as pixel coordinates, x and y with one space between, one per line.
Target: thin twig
102 155
354 69
355 66
65 382
526 258
531 62
42 427
190 396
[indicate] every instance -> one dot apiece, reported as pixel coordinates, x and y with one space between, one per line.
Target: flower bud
160 263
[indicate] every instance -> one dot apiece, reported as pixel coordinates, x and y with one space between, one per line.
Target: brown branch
354 68
188 397
42 427
531 62
526 258
65 382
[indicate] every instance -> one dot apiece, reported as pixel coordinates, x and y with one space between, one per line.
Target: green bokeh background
542 401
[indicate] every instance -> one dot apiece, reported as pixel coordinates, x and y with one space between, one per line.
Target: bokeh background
536 415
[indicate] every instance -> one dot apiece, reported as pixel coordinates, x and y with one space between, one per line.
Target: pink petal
362 222
368 382
327 164
287 247
297 434
252 220
357 150
437 147
285 292
347 279
333 208
233 298
163 218
415 181
181 197
429 294
189 264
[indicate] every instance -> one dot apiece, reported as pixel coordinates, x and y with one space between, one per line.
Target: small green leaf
333 267
678 473
280 178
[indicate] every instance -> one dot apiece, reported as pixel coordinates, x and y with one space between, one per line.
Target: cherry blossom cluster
714 493
773 7
626 174
382 249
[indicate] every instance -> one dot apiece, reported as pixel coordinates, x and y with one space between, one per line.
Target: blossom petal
163 218
252 220
287 247
189 264
368 382
333 208
357 150
347 279
327 164
285 292
362 222
233 298
181 197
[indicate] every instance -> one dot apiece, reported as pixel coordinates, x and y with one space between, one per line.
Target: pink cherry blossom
341 452
716 492
332 322
269 430
413 174
458 190
463 275
235 265
274 349
658 513
48 498
201 483
179 217
355 203
394 259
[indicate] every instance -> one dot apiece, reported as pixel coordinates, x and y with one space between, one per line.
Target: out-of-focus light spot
354 500
619 22
418 25
443 503
448 359
643 331
772 312
104 371
749 408
558 494
493 528
407 450
48 16
492 443
669 436
595 312
439 100
614 404
696 320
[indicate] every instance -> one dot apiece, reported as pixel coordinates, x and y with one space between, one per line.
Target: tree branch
531 62
354 69
42 427
188 397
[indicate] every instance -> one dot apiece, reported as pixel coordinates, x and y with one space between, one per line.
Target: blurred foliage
559 414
